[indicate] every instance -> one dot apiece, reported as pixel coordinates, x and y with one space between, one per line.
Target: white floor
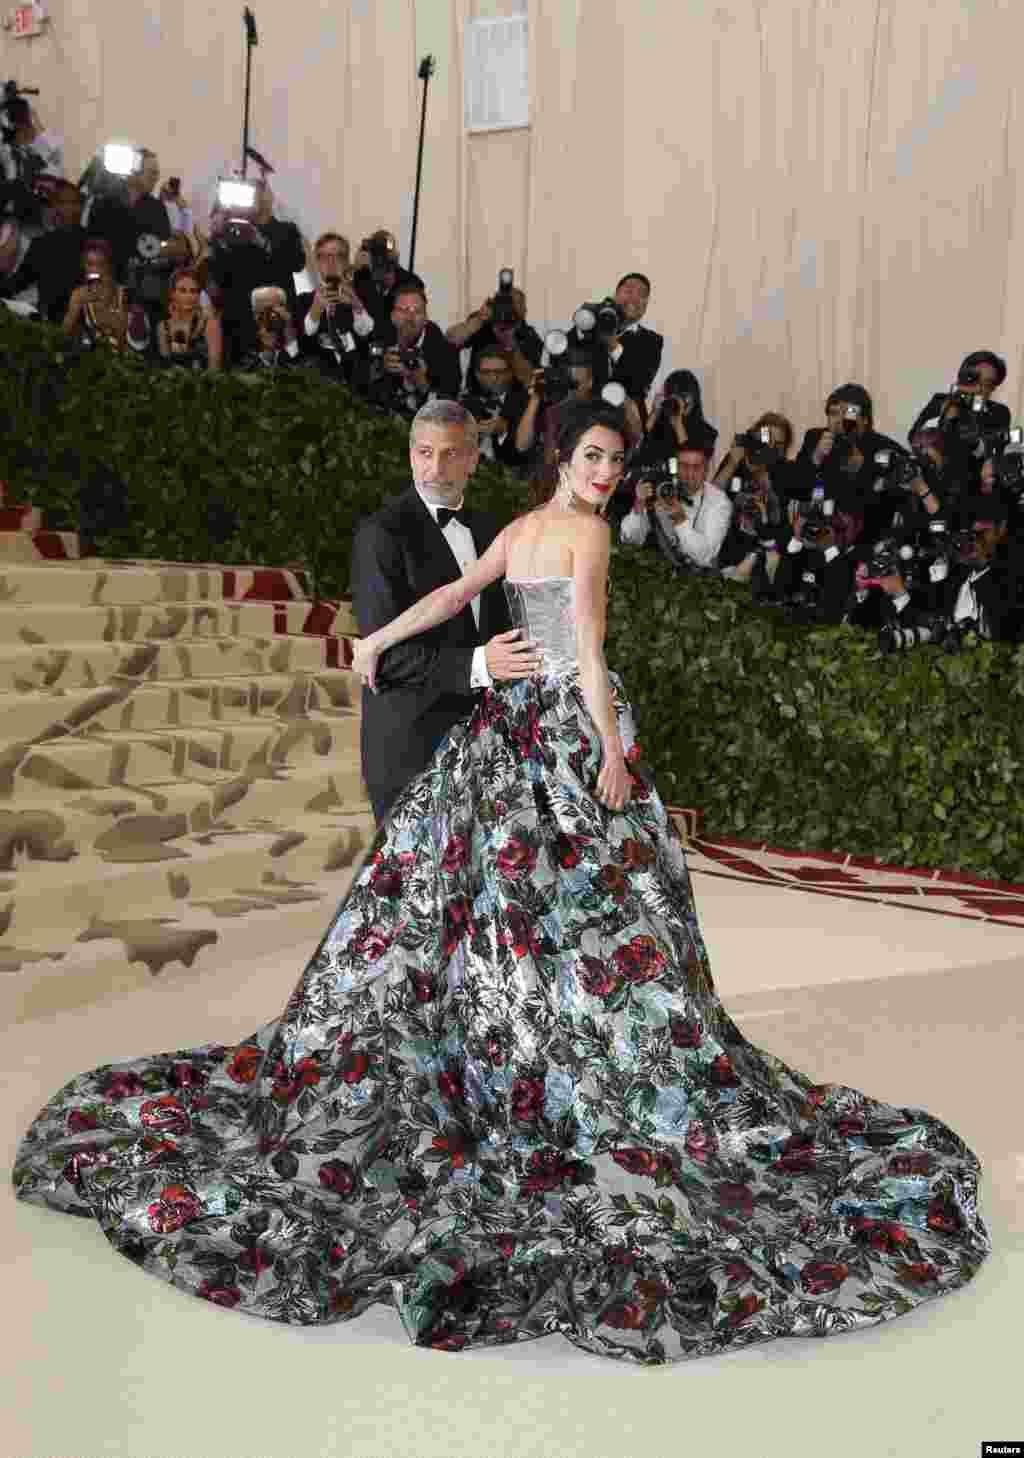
915 1009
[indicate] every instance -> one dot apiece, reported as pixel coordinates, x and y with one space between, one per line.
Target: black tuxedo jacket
439 355
336 362
997 415
639 362
398 556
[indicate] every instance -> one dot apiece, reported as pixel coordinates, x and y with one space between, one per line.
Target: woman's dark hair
985 356
575 418
661 442
579 416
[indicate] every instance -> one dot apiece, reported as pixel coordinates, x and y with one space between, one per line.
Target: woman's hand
614 785
365 656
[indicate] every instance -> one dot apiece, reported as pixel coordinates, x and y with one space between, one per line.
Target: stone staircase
179 767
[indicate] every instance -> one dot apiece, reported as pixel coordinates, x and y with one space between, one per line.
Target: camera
816 520
901 470
480 407
759 447
502 305
604 318
383 254
1009 472
851 418
410 358
556 383
935 628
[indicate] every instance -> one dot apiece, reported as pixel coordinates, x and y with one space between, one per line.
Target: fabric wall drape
820 191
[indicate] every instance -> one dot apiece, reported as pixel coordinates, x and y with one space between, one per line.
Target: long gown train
505 1098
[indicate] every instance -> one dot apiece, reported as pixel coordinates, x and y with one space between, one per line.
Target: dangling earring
565 493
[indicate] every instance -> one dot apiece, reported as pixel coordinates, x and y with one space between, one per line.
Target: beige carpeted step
197 751
179 755
228 872
25 667
146 706
61 623
94 580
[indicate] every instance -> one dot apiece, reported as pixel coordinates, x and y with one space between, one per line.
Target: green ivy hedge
799 738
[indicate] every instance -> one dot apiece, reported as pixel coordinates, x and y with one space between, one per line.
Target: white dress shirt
700 536
616 354
460 540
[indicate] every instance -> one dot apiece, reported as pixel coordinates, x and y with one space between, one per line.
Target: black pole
251 40
425 72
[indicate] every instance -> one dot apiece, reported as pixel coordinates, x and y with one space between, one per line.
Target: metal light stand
425 72
251 40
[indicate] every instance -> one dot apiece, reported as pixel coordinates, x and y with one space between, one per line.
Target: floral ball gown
505 1098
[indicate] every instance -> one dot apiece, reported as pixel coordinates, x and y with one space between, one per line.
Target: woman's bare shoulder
592 532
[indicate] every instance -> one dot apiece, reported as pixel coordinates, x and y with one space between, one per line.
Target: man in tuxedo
333 325
417 542
634 354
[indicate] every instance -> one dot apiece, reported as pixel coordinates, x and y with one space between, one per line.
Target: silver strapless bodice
545 609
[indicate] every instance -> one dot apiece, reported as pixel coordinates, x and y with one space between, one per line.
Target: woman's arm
214 343
526 430
73 317
437 607
590 569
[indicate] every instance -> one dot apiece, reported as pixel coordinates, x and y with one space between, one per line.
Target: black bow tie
444 516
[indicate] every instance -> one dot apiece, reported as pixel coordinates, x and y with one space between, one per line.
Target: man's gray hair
447 413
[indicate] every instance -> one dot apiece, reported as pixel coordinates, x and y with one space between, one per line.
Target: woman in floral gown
504 1096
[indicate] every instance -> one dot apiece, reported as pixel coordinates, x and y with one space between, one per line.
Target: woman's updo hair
575 418
580 416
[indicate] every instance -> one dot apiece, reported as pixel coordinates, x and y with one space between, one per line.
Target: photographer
676 419
815 577
27 155
409 359
379 274
634 352
53 264
138 228
99 311
755 473
497 403
578 373
978 377
990 591
694 514
277 339
251 249
334 324
500 324
837 461
189 337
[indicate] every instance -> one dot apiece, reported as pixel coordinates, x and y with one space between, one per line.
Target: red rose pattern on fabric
511 1031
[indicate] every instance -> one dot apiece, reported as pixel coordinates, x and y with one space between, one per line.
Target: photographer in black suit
634 352
497 402
409 360
333 325
250 249
978 377
378 275
500 323
417 542
839 461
